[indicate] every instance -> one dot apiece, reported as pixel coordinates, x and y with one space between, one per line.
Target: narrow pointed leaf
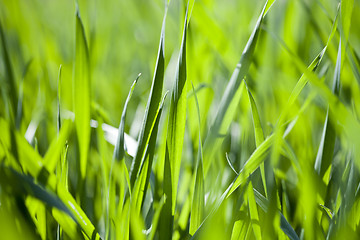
81 93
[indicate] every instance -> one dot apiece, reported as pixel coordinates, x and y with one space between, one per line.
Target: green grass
180 120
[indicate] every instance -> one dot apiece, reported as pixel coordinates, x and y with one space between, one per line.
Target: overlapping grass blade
326 148
174 140
232 87
81 93
151 107
32 162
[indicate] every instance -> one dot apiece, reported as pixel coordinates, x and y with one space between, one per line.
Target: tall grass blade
177 118
239 73
151 107
81 93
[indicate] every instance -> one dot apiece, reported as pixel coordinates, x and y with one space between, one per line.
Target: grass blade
239 73
174 141
81 93
325 153
151 107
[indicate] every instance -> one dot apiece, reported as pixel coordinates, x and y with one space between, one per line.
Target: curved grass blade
151 107
119 150
198 200
81 93
232 87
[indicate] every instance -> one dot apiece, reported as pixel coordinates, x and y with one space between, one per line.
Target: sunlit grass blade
119 149
232 87
198 200
151 107
29 187
81 93
254 215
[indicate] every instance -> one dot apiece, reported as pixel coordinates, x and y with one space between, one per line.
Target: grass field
180 120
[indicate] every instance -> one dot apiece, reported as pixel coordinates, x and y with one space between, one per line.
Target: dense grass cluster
243 124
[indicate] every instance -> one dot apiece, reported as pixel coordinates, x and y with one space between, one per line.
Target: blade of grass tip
174 141
259 134
177 117
119 153
12 92
239 73
198 201
81 93
19 111
119 150
58 101
325 152
151 107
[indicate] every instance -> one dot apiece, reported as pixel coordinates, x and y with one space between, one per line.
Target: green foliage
268 151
